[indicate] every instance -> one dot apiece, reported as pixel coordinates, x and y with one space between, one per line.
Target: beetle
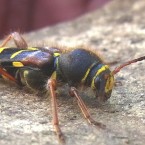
53 66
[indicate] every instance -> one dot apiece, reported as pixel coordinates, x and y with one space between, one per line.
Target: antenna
117 69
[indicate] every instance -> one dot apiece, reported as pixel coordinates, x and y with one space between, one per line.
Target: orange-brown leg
7 75
52 87
18 39
73 92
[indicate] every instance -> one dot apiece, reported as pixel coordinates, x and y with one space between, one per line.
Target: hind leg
18 40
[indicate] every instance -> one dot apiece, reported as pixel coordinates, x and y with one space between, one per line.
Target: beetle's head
103 83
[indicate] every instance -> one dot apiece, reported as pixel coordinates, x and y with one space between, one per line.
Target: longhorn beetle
33 66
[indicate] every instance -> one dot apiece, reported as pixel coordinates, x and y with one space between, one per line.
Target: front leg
18 39
83 107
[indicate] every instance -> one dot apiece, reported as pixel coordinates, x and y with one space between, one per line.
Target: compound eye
98 83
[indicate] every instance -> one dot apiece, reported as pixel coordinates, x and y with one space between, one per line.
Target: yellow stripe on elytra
32 48
17 64
103 68
16 53
86 74
2 49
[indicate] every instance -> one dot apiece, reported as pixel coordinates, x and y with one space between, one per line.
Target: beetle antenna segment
117 69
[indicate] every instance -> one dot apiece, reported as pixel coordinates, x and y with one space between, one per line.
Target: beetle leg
52 86
18 39
7 75
84 109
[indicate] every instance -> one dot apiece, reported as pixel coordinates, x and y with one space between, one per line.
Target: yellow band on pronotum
103 68
86 74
